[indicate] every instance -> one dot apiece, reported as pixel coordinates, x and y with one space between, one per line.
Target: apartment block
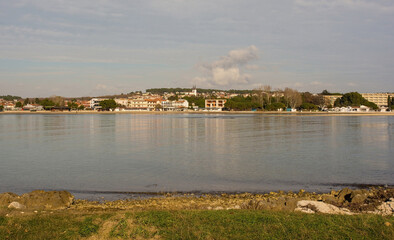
215 104
379 99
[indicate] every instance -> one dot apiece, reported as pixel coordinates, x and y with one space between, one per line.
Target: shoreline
356 200
201 112
360 213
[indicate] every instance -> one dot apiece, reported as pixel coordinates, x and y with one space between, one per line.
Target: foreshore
346 213
284 113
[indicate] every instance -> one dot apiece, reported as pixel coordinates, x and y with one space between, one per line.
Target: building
122 101
141 104
94 103
379 99
330 99
194 91
180 104
215 104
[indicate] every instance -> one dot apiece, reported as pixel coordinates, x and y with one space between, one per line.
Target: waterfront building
141 104
330 99
379 99
122 101
215 104
94 103
181 104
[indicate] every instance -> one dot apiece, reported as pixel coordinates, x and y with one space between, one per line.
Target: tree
262 94
81 107
173 98
37 101
72 105
275 106
18 104
1 108
292 97
354 99
46 103
240 103
198 101
27 101
390 102
308 106
10 98
108 104
158 107
58 100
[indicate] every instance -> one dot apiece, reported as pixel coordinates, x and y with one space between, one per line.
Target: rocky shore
346 201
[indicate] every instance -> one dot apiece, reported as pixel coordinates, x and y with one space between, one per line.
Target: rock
386 208
344 195
47 200
330 199
307 206
7 198
16 205
387 224
359 198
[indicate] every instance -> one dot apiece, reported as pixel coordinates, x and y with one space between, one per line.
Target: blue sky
86 48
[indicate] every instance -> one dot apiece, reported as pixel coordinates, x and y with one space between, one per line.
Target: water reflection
193 152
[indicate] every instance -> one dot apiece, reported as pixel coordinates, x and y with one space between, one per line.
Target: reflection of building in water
215 104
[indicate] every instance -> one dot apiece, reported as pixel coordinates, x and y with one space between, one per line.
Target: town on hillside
263 98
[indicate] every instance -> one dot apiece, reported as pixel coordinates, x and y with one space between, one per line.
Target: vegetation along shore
343 214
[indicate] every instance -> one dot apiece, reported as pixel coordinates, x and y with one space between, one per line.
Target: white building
94 103
122 101
175 105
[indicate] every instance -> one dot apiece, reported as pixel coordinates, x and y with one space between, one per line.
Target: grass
195 224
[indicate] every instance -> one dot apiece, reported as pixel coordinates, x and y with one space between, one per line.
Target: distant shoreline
202 112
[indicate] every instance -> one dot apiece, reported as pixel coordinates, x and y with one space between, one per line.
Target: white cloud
226 71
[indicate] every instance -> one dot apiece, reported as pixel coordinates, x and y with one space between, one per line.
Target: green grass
244 224
196 224
87 227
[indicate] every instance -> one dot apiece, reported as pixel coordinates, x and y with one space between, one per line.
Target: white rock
386 208
16 205
307 206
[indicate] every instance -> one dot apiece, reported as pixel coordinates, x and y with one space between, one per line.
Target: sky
78 48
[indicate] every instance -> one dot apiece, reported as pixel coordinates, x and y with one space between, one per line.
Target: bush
275 106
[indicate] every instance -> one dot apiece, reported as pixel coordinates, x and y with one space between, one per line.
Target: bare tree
58 100
258 94
263 94
293 97
268 94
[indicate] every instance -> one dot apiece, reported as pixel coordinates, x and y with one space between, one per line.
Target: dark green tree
47 104
354 99
1 108
198 101
72 105
108 104
18 104
309 106
27 101
240 103
10 98
173 98
275 106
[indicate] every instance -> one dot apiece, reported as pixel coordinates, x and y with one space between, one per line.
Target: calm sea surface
193 152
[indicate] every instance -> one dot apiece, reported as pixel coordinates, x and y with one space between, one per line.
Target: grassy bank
192 224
